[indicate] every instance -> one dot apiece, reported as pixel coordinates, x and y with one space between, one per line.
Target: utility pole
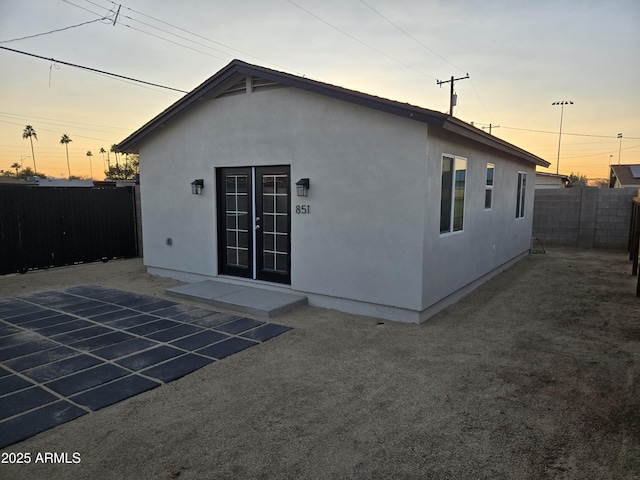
451 96
116 17
562 103
620 147
491 126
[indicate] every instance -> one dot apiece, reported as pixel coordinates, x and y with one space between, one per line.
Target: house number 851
303 209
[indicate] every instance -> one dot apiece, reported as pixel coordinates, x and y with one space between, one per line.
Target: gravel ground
533 375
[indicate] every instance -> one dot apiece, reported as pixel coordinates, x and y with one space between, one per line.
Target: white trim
455 159
487 187
254 224
521 194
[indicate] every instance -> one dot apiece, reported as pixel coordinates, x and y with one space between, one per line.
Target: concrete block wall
613 217
556 216
583 217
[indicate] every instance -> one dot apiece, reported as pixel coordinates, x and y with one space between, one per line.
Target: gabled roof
627 175
237 70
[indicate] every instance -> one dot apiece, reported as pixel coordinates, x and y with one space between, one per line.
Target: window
522 185
488 194
454 173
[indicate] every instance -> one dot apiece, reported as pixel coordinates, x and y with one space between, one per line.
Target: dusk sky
521 57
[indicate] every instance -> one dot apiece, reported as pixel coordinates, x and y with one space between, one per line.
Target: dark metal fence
634 240
42 227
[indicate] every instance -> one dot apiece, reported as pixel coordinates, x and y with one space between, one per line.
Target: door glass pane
281 224
281 243
232 256
282 186
281 262
237 220
231 239
243 220
243 257
269 261
268 222
282 203
243 240
268 184
275 224
269 243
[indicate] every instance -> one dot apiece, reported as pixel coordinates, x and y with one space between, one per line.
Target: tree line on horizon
119 171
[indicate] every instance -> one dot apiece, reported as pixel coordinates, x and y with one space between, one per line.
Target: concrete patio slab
240 298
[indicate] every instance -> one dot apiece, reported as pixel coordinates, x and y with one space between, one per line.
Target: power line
93 70
171 41
53 31
87 10
16 115
157 36
599 154
67 124
574 134
410 36
201 37
358 40
176 35
428 49
58 131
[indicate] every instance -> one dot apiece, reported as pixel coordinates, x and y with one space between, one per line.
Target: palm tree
65 141
103 151
115 151
16 165
30 133
89 154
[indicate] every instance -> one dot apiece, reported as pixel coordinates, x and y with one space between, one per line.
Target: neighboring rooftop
12 181
625 176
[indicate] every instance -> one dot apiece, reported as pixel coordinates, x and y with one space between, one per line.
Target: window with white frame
522 185
488 194
454 173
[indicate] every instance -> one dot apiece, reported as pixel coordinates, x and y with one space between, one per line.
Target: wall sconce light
197 185
302 187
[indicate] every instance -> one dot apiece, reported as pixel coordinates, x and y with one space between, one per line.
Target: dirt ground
534 375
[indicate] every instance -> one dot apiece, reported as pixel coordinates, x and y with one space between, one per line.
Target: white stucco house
406 210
